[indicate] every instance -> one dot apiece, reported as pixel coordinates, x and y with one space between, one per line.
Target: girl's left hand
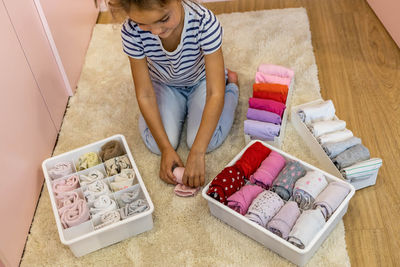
194 169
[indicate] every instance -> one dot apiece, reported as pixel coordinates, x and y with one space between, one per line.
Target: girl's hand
194 170
169 158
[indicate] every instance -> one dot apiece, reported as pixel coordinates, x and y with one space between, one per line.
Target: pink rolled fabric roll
75 215
330 199
181 189
268 170
268 78
61 169
276 70
283 221
66 200
267 105
61 186
264 207
241 200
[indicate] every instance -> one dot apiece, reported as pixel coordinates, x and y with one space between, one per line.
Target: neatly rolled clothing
115 165
130 196
306 228
61 169
95 190
268 170
262 130
66 201
284 183
75 215
110 150
92 176
336 136
317 112
61 186
241 200
108 218
267 105
181 189
362 170
268 78
307 188
323 127
123 180
351 156
264 207
133 208
276 70
262 115
332 149
283 221
87 161
330 199
103 204
251 158
277 92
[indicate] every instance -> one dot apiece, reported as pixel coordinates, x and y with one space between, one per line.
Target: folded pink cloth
268 78
61 186
330 199
276 70
267 105
241 200
283 221
181 189
75 215
268 170
66 200
61 169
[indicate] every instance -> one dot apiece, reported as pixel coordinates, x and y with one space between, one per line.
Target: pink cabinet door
27 137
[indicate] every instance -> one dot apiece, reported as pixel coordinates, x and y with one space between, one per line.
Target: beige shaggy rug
184 233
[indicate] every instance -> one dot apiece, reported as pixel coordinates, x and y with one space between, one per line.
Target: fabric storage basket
317 150
265 237
277 142
86 237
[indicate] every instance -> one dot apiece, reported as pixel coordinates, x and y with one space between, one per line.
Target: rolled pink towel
61 169
66 200
181 189
241 200
268 170
276 70
283 221
75 215
61 186
268 78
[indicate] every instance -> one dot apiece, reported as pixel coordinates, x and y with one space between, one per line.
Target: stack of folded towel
344 149
266 107
278 194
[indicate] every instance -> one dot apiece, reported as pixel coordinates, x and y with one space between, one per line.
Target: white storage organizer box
265 237
277 142
317 150
85 238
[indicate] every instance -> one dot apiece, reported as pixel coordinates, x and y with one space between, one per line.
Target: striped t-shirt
201 35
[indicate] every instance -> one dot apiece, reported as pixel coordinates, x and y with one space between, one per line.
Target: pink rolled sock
181 189
268 78
276 70
268 170
66 200
61 186
241 200
283 221
75 215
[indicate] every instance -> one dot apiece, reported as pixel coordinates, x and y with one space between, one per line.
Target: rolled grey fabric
135 207
351 156
332 149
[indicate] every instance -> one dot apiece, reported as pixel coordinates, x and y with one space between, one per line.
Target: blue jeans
177 103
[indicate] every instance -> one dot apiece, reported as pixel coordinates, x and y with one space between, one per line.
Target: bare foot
232 77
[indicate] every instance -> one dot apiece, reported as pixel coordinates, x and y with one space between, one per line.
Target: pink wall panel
38 52
388 11
26 139
71 23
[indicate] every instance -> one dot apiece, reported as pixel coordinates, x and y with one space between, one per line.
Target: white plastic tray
317 150
83 239
265 237
277 142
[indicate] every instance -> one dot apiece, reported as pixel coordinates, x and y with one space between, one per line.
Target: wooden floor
359 69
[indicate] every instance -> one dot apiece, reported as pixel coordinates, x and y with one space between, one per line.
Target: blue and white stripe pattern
201 35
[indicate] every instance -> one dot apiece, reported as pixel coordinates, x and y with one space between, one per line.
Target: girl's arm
215 79
147 101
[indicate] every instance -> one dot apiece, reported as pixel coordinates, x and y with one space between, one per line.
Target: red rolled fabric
227 182
252 158
267 105
277 92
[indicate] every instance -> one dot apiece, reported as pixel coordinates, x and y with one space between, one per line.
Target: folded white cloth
323 127
306 228
92 176
335 136
108 218
317 112
135 207
129 197
103 204
96 189
61 169
362 170
123 180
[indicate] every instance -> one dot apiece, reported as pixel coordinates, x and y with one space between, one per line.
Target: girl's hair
124 6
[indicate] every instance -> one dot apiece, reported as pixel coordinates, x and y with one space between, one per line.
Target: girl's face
161 21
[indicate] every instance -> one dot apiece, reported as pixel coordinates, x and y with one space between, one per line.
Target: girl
174 49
